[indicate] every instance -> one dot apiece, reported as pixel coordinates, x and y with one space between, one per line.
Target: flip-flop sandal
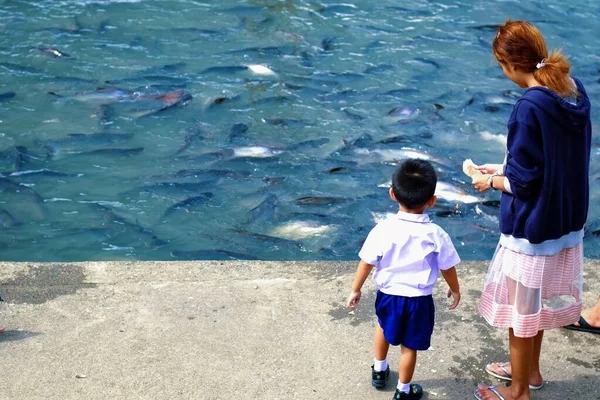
506 376
490 388
583 327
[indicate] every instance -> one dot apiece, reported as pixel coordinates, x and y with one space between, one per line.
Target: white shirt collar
413 217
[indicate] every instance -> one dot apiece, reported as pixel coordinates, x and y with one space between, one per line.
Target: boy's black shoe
379 378
415 393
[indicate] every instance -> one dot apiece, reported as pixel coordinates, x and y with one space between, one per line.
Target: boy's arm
451 279
362 273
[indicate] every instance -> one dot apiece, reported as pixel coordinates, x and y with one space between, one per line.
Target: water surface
193 155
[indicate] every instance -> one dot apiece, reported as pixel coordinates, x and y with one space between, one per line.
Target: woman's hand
488 168
480 183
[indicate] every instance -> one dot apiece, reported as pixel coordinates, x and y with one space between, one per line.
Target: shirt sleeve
525 163
371 251
507 185
447 257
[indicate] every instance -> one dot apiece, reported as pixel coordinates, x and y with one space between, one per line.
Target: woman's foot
504 371
493 392
591 316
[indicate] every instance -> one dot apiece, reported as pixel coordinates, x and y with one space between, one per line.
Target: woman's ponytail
553 72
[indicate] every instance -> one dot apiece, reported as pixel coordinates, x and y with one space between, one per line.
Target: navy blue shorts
406 320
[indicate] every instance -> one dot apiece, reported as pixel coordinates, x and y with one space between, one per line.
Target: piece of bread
468 168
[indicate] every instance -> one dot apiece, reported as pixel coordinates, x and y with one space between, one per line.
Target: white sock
380 365
404 387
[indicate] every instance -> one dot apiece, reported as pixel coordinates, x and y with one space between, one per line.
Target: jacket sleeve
525 162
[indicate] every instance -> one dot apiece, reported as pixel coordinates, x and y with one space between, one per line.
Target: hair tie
541 64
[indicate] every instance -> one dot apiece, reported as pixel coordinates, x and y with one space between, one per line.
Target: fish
272 100
148 81
7 220
17 157
211 174
301 230
394 155
44 172
500 138
172 188
214 101
265 211
328 43
266 51
427 61
493 102
353 115
307 144
324 200
290 123
18 69
195 132
73 80
56 53
113 152
163 69
377 69
23 198
451 193
190 203
98 96
147 105
485 28
80 142
338 9
236 131
403 114
7 96
121 225
272 242
232 69
239 152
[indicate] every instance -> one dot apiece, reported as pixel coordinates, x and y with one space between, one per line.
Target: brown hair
521 45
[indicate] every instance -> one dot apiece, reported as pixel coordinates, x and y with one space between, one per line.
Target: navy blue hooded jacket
548 143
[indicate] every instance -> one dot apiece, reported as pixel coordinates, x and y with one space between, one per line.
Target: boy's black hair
414 183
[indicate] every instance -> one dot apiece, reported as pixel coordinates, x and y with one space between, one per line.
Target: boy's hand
353 300
455 297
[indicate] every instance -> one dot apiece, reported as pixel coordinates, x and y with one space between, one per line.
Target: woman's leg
521 359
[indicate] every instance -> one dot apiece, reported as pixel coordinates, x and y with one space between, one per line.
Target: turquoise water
196 156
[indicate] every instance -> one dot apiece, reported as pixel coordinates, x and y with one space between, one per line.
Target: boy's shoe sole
379 378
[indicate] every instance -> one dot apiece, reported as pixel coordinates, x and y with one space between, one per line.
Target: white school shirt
408 251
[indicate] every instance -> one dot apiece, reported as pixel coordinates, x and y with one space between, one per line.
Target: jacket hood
572 117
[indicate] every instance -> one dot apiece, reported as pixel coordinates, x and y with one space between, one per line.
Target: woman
534 281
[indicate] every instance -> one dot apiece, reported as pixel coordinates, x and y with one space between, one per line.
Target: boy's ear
392 195
432 201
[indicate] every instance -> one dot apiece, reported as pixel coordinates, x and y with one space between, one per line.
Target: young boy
408 250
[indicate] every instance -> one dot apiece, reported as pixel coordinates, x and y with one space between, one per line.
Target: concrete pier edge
245 330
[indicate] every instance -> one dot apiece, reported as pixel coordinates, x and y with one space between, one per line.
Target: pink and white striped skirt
533 293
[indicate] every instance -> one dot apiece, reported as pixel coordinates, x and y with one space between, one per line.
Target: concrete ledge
244 330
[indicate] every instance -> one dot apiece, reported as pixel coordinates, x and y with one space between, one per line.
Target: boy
408 250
